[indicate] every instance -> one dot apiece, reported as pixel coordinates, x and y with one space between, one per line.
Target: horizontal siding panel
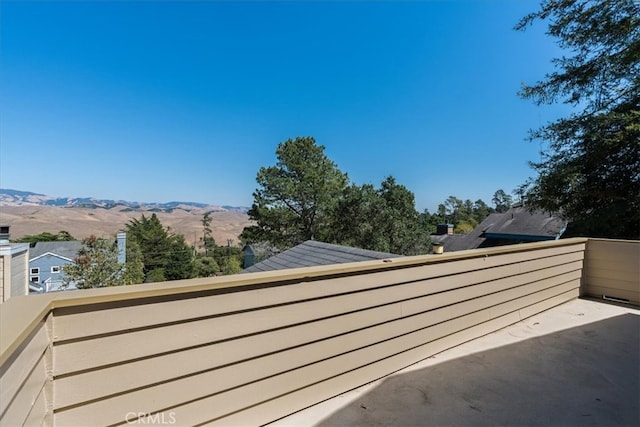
114 410
119 348
18 410
541 277
525 301
614 251
286 403
214 381
514 293
94 384
301 399
222 328
150 357
79 325
612 268
548 303
599 291
17 373
89 385
627 279
622 285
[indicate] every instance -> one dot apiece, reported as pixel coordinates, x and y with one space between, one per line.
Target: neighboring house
312 253
46 264
14 261
257 252
517 225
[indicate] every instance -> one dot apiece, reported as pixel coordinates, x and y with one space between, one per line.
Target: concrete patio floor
577 364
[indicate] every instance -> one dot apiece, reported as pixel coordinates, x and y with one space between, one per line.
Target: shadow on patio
586 375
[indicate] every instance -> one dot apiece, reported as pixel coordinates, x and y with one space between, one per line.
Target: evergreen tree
502 201
154 242
481 210
400 220
381 219
134 265
356 218
590 172
206 266
61 236
179 260
296 196
208 242
230 265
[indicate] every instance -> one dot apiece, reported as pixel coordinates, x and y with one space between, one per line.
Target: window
35 270
35 279
55 269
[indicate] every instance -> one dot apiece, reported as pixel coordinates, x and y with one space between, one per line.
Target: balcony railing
250 349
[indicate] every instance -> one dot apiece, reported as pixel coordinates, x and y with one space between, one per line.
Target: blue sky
164 101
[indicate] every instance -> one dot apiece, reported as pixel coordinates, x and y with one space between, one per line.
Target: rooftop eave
522 237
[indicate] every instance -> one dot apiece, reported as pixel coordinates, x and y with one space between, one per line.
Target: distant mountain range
10 197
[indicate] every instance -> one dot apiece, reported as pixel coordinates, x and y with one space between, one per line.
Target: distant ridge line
10 197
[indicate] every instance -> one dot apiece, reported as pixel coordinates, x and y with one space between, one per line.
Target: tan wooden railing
251 348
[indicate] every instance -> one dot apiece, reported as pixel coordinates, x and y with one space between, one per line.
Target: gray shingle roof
312 253
64 249
517 223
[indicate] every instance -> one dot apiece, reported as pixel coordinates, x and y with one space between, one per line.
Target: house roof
67 250
516 224
519 221
313 253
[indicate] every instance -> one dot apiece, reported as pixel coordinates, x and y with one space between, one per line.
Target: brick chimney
444 229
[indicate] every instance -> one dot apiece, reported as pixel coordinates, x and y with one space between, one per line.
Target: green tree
229 258
230 265
464 215
383 219
155 275
179 260
134 265
97 266
429 221
206 266
454 208
295 197
32 239
208 242
502 201
154 242
356 218
481 210
401 221
590 172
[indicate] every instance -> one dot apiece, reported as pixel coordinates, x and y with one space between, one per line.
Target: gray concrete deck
577 364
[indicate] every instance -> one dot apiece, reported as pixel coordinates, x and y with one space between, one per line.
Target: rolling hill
33 213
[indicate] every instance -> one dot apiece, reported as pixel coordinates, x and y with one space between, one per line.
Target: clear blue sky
163 101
